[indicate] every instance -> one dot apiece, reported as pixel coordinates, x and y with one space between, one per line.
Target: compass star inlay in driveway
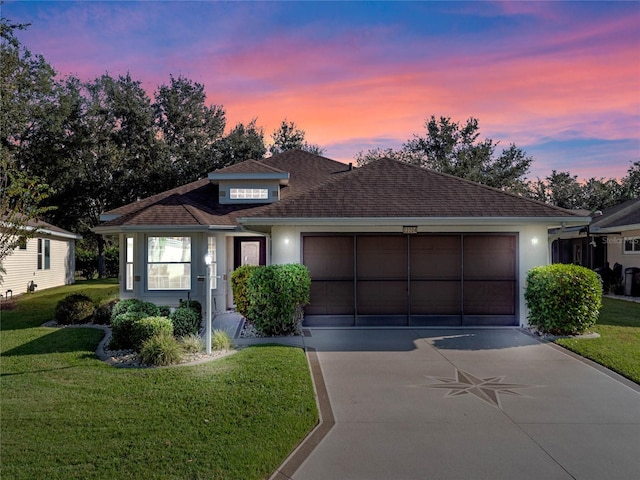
486 389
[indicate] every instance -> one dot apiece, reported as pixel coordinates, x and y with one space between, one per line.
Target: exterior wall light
534 241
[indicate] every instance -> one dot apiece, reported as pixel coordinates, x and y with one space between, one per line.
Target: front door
249 251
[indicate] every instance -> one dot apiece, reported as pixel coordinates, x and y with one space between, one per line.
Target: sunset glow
559 79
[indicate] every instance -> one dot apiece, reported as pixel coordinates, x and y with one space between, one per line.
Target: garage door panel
436 257
382 297
489 297
381 257
331 298
329 257
489 257
435 297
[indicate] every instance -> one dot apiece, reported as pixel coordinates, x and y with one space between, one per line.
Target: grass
66 415
618 347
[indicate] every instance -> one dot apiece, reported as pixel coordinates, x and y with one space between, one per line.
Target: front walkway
456 404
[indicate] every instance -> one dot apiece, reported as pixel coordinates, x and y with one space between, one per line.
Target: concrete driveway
463 404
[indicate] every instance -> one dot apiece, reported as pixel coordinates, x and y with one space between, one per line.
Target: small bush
185 321
135 305
194 305
191 343
563 299
161 349
239 278
164 311
220 340
121 330
276 295
74 309
145 328
104 312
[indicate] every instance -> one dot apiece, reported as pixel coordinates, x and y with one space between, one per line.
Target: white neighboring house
44 261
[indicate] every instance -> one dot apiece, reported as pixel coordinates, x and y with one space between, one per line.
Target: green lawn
65 414
618 347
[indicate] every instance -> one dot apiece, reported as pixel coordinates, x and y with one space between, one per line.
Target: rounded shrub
74 309
239 278
122 328
164 311
277 294
134 305
161 349
194 305
563 299
145 328
185 321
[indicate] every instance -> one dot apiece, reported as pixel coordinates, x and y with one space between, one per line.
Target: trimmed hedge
563 299
104 312
135 305
277 294
239 278
74 309
122 330
194 305
185 321
145 328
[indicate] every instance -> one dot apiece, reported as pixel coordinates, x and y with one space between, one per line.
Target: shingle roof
323 188
389 188
626 213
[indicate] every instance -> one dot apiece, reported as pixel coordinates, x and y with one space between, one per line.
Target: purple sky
559 79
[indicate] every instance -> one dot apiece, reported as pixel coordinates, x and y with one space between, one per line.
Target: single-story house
612 238
386 244
44 260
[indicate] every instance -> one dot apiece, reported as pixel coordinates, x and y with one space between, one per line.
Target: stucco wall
22 266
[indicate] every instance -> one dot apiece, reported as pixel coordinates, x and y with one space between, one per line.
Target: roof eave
116 229
400 221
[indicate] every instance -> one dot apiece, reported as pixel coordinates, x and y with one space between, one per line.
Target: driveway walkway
463 404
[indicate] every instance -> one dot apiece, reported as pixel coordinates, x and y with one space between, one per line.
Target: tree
25 93
289 137
189 129
631 183
362 157
455 149
242 143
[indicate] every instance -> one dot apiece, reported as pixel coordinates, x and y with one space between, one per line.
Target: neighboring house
613 237
46 260
386 244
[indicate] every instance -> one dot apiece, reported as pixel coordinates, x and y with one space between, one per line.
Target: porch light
286 240
534 241
208 260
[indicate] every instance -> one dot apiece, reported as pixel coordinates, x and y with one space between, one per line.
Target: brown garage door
456 279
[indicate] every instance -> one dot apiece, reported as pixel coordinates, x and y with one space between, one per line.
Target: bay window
169 263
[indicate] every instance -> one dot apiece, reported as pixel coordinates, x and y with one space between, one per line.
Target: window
128 281
44 254
632 245
169 263
211 248
249 193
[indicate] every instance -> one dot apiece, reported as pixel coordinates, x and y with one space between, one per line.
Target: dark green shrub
164 311
194 305
239 278
74 309
185 321
135 305
276 295
121 330
161 349
563 299
145 328
104 312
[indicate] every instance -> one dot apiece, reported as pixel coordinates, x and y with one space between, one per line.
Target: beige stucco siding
615 250
22 266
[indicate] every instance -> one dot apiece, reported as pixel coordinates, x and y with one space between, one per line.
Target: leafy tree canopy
289 137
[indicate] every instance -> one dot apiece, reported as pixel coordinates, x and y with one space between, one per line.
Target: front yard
65 414
618 347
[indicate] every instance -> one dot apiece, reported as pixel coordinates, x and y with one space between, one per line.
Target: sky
561 80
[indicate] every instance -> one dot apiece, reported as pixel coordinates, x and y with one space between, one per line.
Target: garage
459 279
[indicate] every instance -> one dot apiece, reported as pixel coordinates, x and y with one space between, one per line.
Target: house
386 244
611 240
44 260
